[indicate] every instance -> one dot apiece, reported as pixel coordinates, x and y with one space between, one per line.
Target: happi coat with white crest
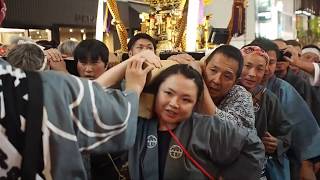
220 147
49 119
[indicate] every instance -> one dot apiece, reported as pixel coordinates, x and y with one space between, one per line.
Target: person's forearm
305 66
113 75
60 69
206 105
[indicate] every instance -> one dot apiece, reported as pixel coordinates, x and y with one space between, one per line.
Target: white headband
311 50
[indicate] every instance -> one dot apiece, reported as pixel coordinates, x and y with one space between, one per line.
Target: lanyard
189 156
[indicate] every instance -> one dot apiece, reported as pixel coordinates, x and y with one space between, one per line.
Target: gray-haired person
14 40
27 57
67 47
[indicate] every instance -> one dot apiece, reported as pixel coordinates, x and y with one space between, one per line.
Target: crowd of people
72 112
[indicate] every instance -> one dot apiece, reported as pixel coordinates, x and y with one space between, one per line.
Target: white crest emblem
175 152
151 141
256 107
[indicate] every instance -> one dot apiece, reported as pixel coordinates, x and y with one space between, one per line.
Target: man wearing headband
310 63
313 69
311 53
307 92
305 144
251 81
273 126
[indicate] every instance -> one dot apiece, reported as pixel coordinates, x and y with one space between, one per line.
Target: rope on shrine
182 23
121 29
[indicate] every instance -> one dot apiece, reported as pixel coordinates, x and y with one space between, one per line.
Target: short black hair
231 52
311 46
91 49
266 44
138 36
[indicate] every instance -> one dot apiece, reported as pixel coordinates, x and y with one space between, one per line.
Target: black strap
32 162
13 110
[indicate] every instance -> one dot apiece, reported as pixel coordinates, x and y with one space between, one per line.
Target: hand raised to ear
149 57
136 75
53 55
187 59
182 58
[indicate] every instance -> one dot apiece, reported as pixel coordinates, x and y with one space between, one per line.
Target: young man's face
91 69
141 45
